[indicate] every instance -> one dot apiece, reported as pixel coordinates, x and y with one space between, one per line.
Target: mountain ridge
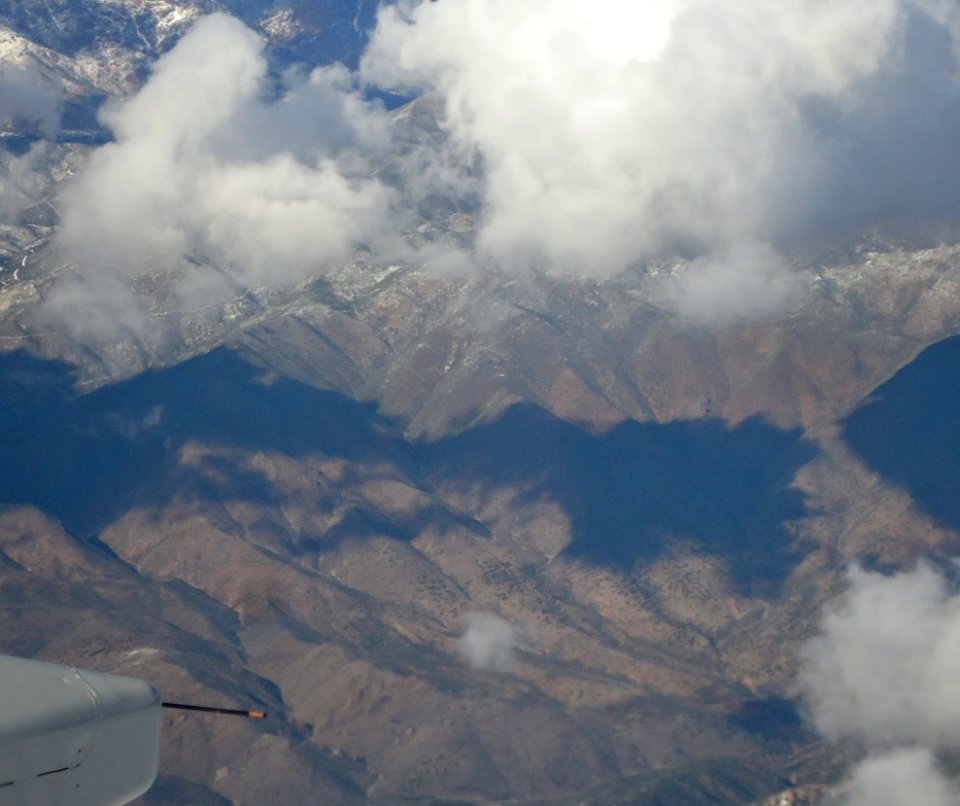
296 497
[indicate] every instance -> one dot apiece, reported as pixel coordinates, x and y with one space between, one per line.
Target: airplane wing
69 736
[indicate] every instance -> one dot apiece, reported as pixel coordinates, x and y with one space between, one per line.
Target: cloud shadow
629 492
633 490
909 430
85 458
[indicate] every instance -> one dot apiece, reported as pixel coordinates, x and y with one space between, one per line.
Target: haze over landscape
545 402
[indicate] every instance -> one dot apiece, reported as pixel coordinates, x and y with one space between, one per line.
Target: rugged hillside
296 498
320 556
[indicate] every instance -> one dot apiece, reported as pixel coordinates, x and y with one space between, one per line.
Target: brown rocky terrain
239 534
293 500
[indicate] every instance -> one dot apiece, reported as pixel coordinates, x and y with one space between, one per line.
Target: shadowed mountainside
659 509
631 490
909 430
628 492
121 438
304 533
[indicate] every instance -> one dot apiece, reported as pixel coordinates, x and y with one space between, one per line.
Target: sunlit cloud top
586 138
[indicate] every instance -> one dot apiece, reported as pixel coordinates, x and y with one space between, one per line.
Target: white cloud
904 777
588 138
488 641
22 181
746 277
29 105
884 671
29 101
612 133
204 169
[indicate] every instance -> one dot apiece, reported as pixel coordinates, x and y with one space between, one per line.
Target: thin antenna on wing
208 709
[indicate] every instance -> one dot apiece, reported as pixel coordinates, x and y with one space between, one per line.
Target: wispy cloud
749 276
29 102
29 108
903 777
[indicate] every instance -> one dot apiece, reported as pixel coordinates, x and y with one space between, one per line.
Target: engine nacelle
69 736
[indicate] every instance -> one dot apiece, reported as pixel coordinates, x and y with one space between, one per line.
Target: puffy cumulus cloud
205 169
613 133
883 671
488 641
903 777
588 138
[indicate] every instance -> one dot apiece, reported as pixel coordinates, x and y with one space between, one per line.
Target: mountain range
300 498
